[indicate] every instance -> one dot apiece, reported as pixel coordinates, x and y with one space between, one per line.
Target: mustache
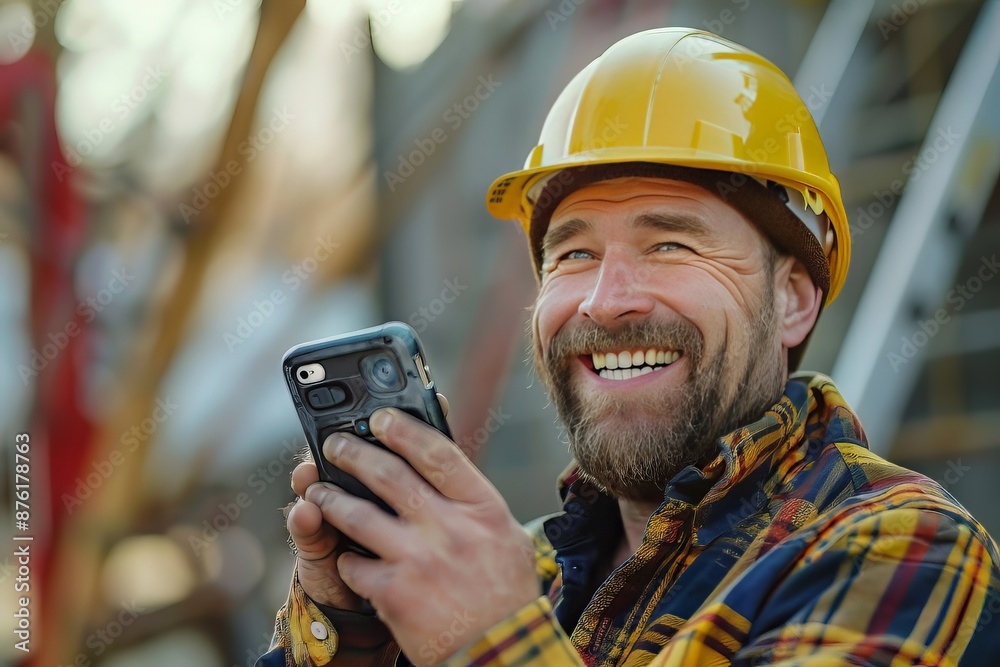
588 337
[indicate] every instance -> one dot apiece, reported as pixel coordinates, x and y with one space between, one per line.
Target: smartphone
337 383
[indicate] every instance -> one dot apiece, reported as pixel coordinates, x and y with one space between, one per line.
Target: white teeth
625 365
628 373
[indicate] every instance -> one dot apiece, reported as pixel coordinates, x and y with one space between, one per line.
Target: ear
798 301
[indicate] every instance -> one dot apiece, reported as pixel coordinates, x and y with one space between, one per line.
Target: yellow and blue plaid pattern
796 547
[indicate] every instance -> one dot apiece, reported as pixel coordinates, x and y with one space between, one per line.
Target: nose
620 291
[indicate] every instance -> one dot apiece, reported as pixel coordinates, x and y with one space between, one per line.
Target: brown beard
633 446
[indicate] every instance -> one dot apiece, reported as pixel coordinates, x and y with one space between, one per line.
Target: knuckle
421 563
438 460
386 475
355 517
437 477
416 499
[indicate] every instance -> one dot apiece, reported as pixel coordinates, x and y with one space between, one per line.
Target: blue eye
577 254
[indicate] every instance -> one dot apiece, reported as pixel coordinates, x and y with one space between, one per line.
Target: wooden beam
111 512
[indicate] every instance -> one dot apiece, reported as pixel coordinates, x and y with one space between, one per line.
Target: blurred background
190 187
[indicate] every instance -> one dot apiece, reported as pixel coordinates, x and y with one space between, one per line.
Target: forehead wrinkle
677 222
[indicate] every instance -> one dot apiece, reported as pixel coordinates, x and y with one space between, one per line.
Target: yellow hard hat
692 100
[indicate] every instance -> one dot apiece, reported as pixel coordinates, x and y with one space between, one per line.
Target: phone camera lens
381 373
384 371
361 428
304 375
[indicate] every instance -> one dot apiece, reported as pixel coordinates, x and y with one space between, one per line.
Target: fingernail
316 493
380 419
334 445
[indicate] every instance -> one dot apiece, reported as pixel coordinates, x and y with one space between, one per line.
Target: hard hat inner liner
761 206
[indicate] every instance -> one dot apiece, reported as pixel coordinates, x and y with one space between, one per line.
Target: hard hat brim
508 198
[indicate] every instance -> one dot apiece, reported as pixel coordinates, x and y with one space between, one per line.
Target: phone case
343 357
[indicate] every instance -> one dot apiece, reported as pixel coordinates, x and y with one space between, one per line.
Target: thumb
313 538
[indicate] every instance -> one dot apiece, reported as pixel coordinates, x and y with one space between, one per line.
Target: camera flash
310 373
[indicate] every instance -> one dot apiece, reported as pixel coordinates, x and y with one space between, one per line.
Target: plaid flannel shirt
796 546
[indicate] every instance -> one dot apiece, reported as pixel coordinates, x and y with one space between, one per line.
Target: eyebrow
682 223
564 232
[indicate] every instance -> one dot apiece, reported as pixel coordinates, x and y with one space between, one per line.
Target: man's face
667 283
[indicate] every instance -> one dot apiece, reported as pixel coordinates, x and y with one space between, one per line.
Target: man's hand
316 542
452 564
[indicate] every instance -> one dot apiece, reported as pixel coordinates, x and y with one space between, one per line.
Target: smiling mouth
627 365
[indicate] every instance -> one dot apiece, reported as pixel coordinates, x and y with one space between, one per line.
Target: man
687 232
